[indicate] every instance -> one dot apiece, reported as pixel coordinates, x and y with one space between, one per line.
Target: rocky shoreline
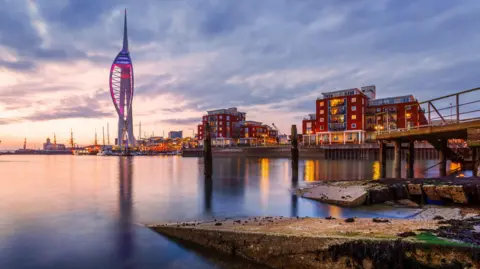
439 191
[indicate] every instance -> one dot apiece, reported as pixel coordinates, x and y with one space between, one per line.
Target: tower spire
125 36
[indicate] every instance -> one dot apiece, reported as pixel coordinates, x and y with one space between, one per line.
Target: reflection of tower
125 225
121 90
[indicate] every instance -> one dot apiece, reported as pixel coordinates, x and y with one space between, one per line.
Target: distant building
229 126
48 145
175 134
221 122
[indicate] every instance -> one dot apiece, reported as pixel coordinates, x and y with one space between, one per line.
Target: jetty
279 242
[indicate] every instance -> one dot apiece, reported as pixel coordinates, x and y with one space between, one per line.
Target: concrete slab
351 196
320 243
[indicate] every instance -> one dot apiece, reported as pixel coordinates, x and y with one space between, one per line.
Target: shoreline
280 242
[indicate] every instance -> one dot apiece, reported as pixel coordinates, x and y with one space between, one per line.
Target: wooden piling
443 159
294 153
476 161
207 155
397 160
410 159
383 159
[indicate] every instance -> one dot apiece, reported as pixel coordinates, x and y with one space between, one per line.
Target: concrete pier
292 243
383 160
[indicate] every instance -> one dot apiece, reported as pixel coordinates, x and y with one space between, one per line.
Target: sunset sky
270 58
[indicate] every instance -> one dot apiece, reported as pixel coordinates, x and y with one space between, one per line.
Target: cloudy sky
270 58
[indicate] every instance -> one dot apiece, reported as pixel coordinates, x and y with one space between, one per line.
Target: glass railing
337 110
336 126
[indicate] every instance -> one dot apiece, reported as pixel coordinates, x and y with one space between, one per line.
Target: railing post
458 107
429 112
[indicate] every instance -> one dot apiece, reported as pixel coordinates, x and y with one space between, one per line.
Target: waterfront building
229 126
354 116
221 123
122 90
175 134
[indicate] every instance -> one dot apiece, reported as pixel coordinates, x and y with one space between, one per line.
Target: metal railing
444 110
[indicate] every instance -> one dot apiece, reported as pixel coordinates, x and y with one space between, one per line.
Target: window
363 101
408 107
354 117
220 117
321 127
321 103
379 109
322 119
354 99
228 118
354 108
321 112
354 125
220 129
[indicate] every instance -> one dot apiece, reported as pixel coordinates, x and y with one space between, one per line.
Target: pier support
410 159
443 158
294 141
207 155
382 156
476 161
397 160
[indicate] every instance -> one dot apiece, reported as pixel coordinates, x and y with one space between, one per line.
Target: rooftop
392 100
347 92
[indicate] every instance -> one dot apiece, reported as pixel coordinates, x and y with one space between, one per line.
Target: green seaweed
432 239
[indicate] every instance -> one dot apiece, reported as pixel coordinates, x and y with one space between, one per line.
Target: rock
445 212
329 217
380 195
400 191
407 234
431 193
408 203
443 191
218 224
414 189
458 194
350 220
438 218
377 220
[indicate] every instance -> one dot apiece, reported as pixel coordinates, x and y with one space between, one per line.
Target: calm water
85 211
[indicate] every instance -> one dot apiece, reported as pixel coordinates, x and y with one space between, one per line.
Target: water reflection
82 215
125 231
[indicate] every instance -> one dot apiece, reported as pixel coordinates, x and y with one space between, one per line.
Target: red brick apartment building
229 126
354 115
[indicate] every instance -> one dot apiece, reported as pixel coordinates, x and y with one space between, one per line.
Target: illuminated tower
121 89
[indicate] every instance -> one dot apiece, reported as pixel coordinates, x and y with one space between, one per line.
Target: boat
105 153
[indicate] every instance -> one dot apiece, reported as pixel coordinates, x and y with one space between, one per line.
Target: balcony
337 110
336 126
337 102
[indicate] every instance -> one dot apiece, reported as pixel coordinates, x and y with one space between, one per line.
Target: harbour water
87 211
